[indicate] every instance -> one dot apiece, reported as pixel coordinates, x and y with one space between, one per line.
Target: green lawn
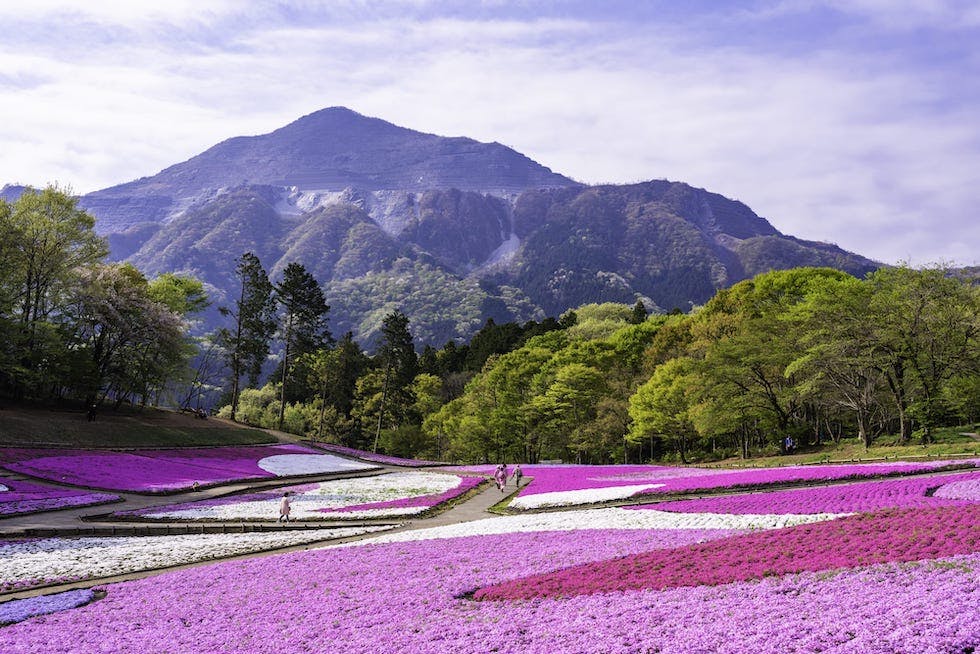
22 426
954 442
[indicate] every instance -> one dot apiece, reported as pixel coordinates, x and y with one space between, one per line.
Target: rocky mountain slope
449 230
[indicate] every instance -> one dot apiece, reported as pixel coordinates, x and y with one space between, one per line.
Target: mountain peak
336 148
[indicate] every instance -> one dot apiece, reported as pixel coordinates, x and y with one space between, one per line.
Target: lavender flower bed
959 489
390 495
155 471
962 489
25 497
411 597
21 609
376 458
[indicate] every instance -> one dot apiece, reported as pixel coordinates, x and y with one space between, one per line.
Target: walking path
98 520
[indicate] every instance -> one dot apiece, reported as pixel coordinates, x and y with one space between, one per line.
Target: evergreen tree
639 313
247 344
400 365
304 322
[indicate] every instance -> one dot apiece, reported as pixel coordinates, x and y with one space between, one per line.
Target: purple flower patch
22 609
26 497
846 498
148 471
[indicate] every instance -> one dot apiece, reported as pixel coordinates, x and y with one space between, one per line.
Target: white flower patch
48 560
286 465
3 488
611 518
582 496
339 493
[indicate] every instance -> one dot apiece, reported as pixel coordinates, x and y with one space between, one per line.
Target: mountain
449 230
10 192
325 152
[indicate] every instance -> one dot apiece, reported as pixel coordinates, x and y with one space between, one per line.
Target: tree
742 344
335 372
928 323
304 321
841 363
662 406
182 294
400 365
247 343
570 400
639 313
47 241
131 342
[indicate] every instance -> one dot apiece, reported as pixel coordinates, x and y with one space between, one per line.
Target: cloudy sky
850 121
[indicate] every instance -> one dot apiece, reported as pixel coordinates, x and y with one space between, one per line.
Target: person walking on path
518 474
284 507
500 476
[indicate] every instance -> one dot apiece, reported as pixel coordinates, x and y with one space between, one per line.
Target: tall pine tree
304 324
400 363
247 343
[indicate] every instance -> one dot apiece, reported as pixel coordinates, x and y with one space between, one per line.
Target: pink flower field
881 567
414 597
567 485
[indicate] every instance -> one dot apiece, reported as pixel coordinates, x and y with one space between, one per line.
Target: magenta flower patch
761 477
149 471
891 536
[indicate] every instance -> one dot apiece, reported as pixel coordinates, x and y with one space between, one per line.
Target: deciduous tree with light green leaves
46 242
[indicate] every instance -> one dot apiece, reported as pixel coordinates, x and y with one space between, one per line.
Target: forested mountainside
464 256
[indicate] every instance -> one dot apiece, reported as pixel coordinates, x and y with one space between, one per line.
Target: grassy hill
37 426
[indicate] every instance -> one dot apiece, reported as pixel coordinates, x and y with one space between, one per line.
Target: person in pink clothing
284 507
500 476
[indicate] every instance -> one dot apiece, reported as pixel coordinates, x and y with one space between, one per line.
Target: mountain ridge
449 230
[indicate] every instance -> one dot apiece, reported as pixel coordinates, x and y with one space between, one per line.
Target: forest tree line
812 354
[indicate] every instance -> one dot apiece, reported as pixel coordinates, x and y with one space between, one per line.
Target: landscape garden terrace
414 597
866 565
896 536
958 489
31 562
